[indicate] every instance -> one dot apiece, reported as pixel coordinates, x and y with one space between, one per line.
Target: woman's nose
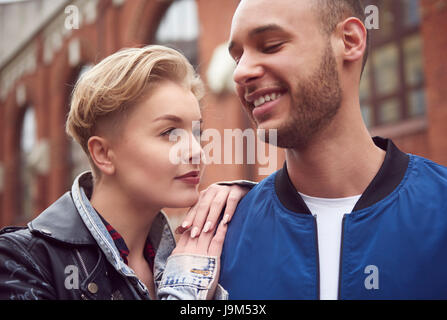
197 155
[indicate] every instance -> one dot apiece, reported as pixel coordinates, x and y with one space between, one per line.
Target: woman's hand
206 212
206 244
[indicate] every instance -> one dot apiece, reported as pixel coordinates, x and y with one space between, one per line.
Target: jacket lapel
61 221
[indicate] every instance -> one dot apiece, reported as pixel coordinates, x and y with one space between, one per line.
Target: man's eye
272 48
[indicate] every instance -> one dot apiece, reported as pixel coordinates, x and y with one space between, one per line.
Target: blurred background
45 45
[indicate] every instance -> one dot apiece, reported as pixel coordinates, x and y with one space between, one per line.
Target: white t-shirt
329 214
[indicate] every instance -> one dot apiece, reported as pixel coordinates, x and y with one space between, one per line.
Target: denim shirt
183 276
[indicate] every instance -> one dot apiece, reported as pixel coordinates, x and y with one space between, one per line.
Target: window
179 29
392 86
27 182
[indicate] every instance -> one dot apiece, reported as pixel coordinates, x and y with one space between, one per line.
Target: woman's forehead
169 98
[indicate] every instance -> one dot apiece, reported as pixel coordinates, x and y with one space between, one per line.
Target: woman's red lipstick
192 177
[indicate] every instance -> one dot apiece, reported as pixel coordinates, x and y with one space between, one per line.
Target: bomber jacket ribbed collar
387 179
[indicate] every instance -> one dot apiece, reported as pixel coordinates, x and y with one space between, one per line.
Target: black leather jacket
61 255
37 262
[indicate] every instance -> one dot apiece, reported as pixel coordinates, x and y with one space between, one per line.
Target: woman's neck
132 220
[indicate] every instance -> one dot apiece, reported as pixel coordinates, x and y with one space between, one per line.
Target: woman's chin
184 201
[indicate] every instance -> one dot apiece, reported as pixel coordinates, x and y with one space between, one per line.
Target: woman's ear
100 153
354 36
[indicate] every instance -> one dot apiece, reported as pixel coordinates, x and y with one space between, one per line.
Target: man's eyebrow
266 28
257 31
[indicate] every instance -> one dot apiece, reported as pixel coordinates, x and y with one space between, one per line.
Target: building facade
403 91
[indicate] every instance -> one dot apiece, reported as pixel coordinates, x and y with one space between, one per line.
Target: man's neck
132 222
336 164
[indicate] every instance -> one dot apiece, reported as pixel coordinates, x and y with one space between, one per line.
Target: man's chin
268 132
283 135
269 124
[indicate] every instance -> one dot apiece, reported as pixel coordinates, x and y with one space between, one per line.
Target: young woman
108 238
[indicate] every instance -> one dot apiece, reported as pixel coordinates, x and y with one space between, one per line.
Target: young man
348 217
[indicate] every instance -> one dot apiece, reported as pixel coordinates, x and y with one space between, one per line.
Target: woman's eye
197 133
167 132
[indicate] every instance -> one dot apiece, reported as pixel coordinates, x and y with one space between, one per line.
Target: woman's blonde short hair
115 84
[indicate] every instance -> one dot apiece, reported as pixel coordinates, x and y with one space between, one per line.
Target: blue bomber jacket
394 243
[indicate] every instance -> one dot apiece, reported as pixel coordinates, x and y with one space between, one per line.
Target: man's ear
100 153
354 38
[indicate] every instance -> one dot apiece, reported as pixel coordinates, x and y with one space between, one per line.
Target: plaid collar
149 252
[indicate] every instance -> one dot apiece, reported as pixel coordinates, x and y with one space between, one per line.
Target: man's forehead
252 15
272 7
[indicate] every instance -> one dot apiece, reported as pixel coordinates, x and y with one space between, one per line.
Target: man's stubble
315 102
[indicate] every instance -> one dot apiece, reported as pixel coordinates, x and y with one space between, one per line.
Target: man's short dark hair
332 12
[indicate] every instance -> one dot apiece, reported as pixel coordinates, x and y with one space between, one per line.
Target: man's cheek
240 93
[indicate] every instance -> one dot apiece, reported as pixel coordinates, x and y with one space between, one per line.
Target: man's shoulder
426 179
263 191
428 169
261 186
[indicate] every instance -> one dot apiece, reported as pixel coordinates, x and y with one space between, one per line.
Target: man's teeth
267 98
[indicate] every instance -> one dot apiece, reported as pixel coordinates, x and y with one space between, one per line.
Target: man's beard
315 103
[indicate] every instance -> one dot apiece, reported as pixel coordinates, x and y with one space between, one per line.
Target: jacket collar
387 179
61 222
73 221
66 219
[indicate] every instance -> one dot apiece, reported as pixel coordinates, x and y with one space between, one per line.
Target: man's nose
247 70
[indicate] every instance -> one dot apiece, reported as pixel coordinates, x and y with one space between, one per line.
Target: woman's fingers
219 202
235 195
187 222
181 243
203 242
191 220
215 247
228 198
204 215
187 245
203 206
208 243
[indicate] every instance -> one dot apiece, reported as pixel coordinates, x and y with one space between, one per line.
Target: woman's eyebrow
173 118
169 117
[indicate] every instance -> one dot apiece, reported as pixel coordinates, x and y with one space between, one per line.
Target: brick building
403 89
